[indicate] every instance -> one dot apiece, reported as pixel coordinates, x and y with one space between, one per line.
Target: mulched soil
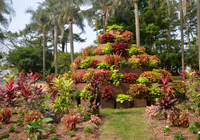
61 131
158 127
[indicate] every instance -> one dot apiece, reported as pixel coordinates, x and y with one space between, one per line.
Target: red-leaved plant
107 93
5 115
112 60
79 77
129 78
107 38
76 64
144 59
33 115
70 121
120 49
98 50
106 75
94 63
51 89
127 36
139 91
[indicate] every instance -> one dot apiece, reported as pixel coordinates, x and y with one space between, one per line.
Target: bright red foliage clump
94 63
130 78
112 60
120 49
107 93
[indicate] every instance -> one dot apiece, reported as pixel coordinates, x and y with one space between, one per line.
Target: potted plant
139 93
85 96
123 101
107 97
151 76
113 29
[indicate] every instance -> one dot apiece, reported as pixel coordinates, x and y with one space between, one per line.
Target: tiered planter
107 103
80 86
139 102
125 104
121 89
85 102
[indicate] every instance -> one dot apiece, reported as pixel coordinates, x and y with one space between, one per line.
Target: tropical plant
138 91
122 97
98 51
95 119
125 64
78 77
86 63
178 135
33 115
85 94
88 51
116 77
127 36
135 62
120 49
53 136
107 93
142 80
130 78
72 133
151 76
5 115
107 38
155 92
179 87
102 65
70 121
94 63
89 74
4 134
112 60
136 50
35 127
76 63
108 49
116 27
11 128
144 59
87 129
106 75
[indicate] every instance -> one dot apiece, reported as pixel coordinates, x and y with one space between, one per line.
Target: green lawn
125 124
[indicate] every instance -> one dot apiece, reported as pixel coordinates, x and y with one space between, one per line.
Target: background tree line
167 28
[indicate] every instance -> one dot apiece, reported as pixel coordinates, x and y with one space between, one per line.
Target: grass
126 124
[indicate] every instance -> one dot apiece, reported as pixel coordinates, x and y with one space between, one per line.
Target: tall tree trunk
104 26
96 28
71 38
182 46
63 46
55 48
44 52
137 26
198 25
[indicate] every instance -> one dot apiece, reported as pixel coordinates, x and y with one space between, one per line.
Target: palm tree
137 25
198 26
5 9
104 6
40 23
182 46
73 14
53 9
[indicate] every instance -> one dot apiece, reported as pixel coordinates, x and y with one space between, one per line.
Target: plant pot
152 102
147 69
107 103
85 102
125 104
80 86
114 31
99 57
140 102
102 45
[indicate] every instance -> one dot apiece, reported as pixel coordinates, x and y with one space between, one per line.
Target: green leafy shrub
75 95
87 129
11 128
108 49
109 28
179 87
86 63
116 77
4 135
124 64
142 80
102 65
122 97
85 94
136 50
72 133
155 91
37 126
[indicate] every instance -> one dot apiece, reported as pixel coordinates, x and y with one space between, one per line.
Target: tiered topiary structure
119 64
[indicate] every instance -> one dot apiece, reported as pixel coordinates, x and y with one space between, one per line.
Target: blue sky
21 19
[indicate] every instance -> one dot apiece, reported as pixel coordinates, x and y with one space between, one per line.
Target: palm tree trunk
55 48
137 26
71 40
182 46
198 25
44 51
96 28
104 25
63 46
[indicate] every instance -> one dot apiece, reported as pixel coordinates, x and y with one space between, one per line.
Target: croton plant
78 77
151 76
76 64
139 91
113 60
